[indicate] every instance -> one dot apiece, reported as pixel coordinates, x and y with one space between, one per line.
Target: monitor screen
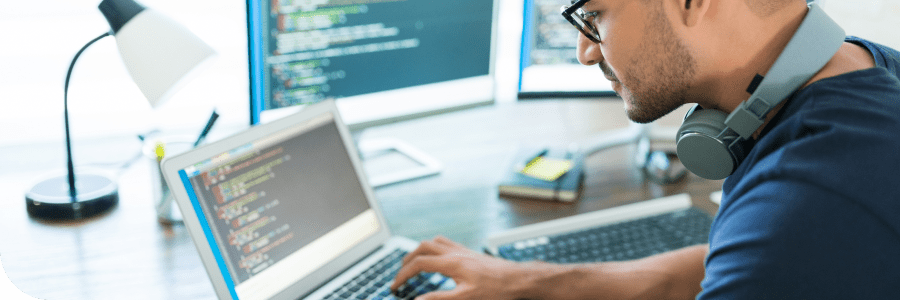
548 66
383 60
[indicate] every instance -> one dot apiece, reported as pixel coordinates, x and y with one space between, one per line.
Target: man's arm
672 275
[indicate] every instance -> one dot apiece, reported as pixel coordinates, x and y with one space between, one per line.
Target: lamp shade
159 54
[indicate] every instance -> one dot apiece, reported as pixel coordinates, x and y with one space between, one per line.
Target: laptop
620 233
284 211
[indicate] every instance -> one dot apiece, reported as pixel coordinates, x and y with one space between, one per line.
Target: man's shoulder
840 124
879 85
885 57
814 206
812 212
851 101
840 140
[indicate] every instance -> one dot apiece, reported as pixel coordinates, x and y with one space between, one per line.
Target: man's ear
693 11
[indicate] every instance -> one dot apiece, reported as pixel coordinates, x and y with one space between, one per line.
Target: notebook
284 211
622 233
562 187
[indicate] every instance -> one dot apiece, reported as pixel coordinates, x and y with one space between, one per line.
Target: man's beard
658 78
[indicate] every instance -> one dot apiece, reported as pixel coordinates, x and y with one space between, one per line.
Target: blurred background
39 39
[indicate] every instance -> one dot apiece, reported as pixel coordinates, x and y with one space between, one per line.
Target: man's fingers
426 248
452 246
448 242
418 265
443 240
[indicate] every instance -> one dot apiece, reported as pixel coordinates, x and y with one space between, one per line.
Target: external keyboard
616 242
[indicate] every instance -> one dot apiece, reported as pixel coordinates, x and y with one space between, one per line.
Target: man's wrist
532 278
612 280
540 280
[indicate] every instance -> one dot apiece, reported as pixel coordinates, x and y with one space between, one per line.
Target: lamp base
50 199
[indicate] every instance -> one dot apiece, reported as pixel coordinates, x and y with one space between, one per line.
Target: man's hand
477 276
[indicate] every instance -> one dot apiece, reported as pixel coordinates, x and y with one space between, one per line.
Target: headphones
712 145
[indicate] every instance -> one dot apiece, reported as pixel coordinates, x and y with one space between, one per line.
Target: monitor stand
659 166
382 157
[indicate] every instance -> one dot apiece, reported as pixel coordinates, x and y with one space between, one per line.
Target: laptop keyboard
616 242
374 282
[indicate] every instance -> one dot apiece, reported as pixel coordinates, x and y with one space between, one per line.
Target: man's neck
731 90
749 47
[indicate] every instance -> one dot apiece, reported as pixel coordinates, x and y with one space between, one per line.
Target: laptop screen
276 209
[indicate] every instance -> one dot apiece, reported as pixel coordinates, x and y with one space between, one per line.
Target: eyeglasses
579 18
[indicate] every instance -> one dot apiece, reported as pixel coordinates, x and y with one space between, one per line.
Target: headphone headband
817 39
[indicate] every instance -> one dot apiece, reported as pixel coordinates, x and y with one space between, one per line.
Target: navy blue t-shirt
814 210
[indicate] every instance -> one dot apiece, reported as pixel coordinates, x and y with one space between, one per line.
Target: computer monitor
548 67
382 60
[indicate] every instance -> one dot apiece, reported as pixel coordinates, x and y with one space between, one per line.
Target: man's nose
588 52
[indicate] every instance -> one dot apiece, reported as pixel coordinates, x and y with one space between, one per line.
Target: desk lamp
159 54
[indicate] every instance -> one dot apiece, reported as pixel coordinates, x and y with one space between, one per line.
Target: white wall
876 20
40 38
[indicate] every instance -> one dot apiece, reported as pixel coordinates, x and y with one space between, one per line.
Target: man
813 212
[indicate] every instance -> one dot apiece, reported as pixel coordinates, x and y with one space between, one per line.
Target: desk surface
127 254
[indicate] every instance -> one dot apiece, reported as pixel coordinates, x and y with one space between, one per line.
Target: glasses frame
574 11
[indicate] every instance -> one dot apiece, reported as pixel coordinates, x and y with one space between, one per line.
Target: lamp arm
71 167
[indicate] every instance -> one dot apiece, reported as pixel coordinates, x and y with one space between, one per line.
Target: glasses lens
577 19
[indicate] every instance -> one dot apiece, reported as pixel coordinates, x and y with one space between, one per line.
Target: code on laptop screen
266 201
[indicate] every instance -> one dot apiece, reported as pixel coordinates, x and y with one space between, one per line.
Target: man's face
648 65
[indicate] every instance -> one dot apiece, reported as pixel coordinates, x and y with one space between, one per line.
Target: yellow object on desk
545 168
160 151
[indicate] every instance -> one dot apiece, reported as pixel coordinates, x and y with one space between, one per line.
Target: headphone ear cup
699 146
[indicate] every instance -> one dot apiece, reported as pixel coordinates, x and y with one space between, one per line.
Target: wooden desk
126 254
